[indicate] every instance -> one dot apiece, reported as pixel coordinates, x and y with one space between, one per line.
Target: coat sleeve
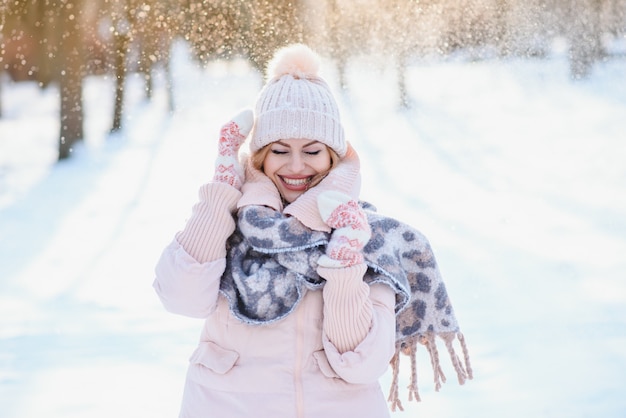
369 360
189 270
185 286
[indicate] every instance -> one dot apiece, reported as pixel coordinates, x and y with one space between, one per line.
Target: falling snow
514 171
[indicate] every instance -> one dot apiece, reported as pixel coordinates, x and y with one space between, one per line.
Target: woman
307 293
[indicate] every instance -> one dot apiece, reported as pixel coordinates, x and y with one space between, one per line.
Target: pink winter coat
286 369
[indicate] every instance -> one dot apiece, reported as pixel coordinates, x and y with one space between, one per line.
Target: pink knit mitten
232 135
351 229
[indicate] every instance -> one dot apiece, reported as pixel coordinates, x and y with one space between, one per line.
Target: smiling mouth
296 184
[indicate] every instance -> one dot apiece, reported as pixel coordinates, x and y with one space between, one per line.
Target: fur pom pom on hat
298 60
297 103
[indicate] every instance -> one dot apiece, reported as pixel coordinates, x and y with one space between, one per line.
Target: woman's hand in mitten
351 229
232 136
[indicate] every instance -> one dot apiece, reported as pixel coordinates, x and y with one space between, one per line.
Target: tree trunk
121 43
70 87
70 78
120 79
48 40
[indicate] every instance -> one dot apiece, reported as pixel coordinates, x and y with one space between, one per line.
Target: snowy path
514 174
523 202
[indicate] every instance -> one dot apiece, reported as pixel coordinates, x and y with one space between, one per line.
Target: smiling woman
289 153
307 293
295 165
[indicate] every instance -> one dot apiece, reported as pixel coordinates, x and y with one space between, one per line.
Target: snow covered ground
516 174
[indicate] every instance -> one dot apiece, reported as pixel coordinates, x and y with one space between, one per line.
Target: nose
296 162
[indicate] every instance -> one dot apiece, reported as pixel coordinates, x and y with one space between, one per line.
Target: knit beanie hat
297 103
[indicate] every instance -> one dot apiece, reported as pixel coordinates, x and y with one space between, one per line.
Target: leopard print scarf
272 261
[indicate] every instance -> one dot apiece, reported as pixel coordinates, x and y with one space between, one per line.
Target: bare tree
70 73
142 32
121 28
153 28
46 45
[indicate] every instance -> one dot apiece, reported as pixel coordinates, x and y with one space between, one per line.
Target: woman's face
293 163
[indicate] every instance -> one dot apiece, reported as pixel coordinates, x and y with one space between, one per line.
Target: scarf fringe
393 398
463 367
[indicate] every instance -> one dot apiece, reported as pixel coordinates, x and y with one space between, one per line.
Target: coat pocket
324 365
213 357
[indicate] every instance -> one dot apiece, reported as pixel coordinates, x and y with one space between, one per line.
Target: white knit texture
291 106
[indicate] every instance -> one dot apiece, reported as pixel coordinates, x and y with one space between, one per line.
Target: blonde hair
258 158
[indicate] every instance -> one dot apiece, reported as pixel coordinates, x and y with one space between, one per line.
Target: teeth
296 182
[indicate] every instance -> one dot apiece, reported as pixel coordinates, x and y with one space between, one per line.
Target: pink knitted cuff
348 309
211 223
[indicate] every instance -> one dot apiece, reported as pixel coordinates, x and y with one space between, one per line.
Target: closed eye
278 152
312 152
